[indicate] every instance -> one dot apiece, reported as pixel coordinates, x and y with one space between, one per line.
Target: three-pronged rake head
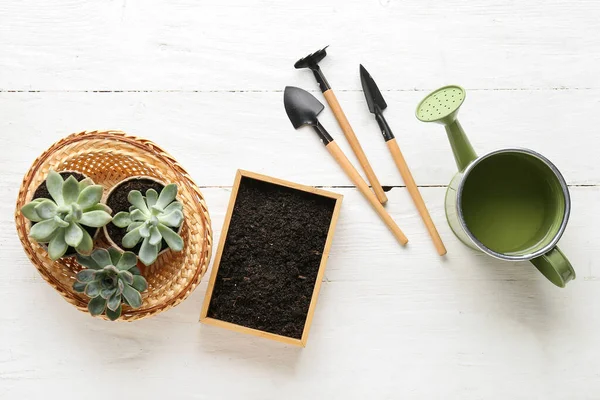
311 60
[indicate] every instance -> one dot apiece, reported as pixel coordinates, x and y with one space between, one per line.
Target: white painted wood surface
392 323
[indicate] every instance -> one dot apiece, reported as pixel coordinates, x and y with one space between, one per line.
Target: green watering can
512 204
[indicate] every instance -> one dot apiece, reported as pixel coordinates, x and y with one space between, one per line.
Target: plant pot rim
112 189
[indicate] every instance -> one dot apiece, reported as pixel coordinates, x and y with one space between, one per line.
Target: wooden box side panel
253 332
293 185
219 253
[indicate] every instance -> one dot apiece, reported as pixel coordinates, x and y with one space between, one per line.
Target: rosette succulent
149 220
111 279
59 221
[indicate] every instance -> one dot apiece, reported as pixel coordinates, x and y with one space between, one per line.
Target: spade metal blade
372 93
302 108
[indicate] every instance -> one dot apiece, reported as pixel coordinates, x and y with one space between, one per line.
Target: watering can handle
555 266
461 147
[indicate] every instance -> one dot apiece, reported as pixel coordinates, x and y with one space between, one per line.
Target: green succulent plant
111 279
59 221
149 220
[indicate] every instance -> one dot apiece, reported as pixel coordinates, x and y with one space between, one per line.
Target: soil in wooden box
271 258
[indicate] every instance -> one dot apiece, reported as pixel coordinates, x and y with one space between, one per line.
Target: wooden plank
213 134
221 244
469 340
252 45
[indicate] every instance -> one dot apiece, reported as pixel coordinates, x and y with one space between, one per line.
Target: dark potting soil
42 192
271 258
117 201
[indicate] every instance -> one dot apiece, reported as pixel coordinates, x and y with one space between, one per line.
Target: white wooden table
204 79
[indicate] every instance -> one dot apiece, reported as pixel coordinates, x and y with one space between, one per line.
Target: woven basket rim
147 147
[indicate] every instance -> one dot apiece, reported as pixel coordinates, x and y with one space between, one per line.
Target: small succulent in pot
151 219
110 279
60 221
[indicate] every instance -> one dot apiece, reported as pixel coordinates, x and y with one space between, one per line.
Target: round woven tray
108 157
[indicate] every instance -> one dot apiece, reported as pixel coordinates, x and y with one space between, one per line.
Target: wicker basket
109 157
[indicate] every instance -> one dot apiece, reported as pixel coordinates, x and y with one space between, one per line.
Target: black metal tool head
372 93
301 107
311 60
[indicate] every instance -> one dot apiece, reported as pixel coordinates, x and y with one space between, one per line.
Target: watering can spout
461 147
441 106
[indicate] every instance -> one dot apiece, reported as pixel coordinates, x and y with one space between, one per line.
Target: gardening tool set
302 109
512 204
312 62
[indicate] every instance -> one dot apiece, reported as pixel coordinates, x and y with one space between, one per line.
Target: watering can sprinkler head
441 105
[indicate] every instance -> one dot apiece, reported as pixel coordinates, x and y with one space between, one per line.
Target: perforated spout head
441 105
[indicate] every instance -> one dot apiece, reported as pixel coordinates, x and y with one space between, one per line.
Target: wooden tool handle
416 195
360 183
355 145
